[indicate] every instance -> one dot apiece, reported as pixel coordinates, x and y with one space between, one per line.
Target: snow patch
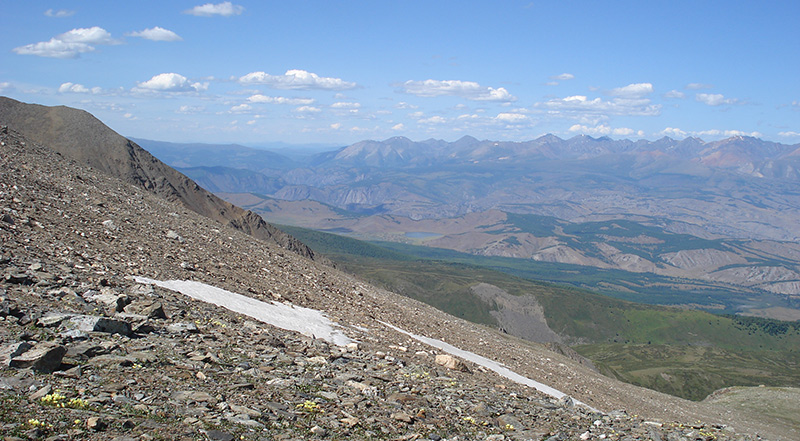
306 321
489 364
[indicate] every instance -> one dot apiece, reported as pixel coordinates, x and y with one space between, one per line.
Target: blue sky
337 72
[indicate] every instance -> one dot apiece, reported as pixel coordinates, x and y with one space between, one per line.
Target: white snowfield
489 364
306 321
313 323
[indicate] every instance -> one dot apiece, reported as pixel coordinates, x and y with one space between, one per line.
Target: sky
336 72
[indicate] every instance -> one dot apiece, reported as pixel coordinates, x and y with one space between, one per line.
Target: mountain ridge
79 135
552 176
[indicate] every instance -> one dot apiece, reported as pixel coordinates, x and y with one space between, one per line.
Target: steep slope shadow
80 136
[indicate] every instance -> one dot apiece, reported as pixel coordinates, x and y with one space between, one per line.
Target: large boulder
45 357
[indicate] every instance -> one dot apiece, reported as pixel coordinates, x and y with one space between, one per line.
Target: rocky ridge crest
80 136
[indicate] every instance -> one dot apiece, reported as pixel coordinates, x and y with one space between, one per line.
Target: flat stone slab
44 357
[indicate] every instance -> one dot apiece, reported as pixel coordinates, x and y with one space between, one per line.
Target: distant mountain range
739 187
724 211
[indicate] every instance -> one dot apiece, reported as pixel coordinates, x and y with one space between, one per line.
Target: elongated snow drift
306 321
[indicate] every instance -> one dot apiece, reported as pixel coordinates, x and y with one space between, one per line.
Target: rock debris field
91 350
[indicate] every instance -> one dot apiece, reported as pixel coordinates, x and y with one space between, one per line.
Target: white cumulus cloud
674 132
602 130
241 108
308 109
512 118
190 110
296 79
61 13
742 133
54 49
563 77
698 86
675 94
345 105
405 105
714 99
170 82
636 90
258 98
70 44
789 134
465 89
432 120
728 133
468 117
580 106
93 35
157 34
78 88
225 9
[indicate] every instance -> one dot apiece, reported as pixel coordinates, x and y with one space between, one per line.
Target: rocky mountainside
91 350
78 135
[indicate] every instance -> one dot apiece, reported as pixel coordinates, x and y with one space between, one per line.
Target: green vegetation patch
683 352
693 372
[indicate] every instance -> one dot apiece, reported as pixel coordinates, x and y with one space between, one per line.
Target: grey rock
19 278
148 309
451 362
53 319
566 401
402 416
182 328
242 410
89 323
195 396
174 236
36 396
509 422
654 435
13 350
44 357
110 299
96 424
74 335
144 356
218 435
85 350
108 360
